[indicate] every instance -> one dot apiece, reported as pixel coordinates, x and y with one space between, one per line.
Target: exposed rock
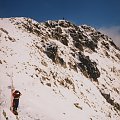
61 61
2 29
111 101
48 84
105 44
0 62
88 67
77 105
51 51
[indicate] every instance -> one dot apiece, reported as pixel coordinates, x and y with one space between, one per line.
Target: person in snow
16 95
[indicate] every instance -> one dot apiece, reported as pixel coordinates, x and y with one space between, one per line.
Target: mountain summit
64 71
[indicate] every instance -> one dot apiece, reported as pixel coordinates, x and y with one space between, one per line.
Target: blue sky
97 13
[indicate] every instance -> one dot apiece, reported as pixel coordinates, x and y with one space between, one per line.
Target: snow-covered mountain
64 71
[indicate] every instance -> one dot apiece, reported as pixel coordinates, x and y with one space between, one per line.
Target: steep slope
64 71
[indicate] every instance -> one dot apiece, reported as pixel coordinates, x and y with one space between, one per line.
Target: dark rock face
111 101
105 44
113 44
88 68
79 39
78 45
51 51
64 40
61 61
0 62
91 44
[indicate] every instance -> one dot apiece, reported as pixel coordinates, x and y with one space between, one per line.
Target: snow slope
47 62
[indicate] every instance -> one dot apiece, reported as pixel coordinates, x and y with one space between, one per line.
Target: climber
16 95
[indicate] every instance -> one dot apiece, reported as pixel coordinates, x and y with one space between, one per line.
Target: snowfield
47 63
